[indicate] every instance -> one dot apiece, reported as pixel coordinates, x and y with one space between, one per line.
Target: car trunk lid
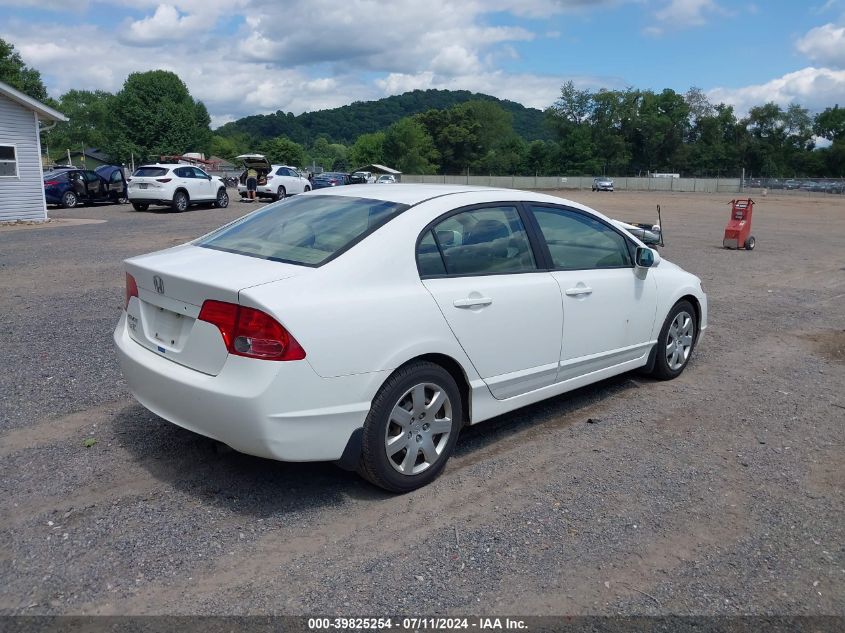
172 286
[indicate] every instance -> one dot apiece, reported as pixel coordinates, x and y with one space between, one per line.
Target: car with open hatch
273 181
369 326
176 186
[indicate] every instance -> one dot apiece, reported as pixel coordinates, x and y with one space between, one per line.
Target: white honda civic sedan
369 327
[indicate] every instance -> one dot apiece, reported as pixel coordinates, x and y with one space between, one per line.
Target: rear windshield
307 230
150 172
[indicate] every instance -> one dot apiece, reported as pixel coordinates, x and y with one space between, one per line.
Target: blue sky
244 57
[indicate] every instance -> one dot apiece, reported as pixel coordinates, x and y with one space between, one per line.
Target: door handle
579 290
473 302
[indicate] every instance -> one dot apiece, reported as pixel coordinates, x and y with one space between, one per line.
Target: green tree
283 151
329 156
88 125
409 148
367 149
18 75
154 114
830 124
229 147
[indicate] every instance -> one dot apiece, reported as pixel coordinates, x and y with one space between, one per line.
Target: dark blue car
69 186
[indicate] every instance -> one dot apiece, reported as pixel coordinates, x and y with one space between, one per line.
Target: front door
608 304
479 266
204 185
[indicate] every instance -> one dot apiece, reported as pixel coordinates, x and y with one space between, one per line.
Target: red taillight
250 332
163 179
131 290
51 183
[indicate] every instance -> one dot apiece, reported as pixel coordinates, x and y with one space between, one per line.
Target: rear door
608 304
480 267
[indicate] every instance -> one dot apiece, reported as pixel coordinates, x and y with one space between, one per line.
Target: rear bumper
150 196
282 411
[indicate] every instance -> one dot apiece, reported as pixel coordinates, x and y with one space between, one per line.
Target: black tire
375 465
140 206
663 369
181 201
281 193
69 199
222 200
307 188
750 243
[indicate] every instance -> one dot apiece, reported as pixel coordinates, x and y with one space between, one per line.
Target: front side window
8 161
577 241
199 173
490 240
304 230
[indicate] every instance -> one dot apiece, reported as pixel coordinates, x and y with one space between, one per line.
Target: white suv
274 181
175 185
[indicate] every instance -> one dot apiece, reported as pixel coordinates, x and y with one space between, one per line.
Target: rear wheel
180 201
281 193
222 200
412 428
140 206
676 341
307 188
750 243
69 199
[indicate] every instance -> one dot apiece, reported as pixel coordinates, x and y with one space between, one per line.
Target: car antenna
660 224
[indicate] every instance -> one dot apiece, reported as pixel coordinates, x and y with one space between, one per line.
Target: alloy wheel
679 340
418 430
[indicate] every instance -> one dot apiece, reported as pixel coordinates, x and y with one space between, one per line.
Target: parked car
370 329
69 186
602 184
175 185
791 184
274 181
331 179
386 179
362 178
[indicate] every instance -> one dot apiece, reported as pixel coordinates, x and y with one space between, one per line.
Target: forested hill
346 123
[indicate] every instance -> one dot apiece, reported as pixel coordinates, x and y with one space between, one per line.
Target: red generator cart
738 230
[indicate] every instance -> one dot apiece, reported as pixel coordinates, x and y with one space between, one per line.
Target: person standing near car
251 183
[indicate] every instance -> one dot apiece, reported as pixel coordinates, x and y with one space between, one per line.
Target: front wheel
180 201
222 200
307 188
69 200
676 341
412 428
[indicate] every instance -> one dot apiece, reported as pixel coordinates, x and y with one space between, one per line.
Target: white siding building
21 176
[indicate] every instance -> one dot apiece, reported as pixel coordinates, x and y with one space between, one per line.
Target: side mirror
646 257
207 176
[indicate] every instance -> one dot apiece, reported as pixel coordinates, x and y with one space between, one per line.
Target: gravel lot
719 493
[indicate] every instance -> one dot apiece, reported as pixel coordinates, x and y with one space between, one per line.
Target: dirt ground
718 493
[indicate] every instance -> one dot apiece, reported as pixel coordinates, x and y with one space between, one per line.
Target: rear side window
150 172
489 240
308 231
577 241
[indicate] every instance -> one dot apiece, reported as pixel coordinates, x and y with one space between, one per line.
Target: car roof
411 194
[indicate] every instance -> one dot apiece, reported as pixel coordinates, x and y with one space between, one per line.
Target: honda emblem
158 284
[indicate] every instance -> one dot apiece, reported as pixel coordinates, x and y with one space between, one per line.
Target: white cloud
813 88
680 14
824 45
